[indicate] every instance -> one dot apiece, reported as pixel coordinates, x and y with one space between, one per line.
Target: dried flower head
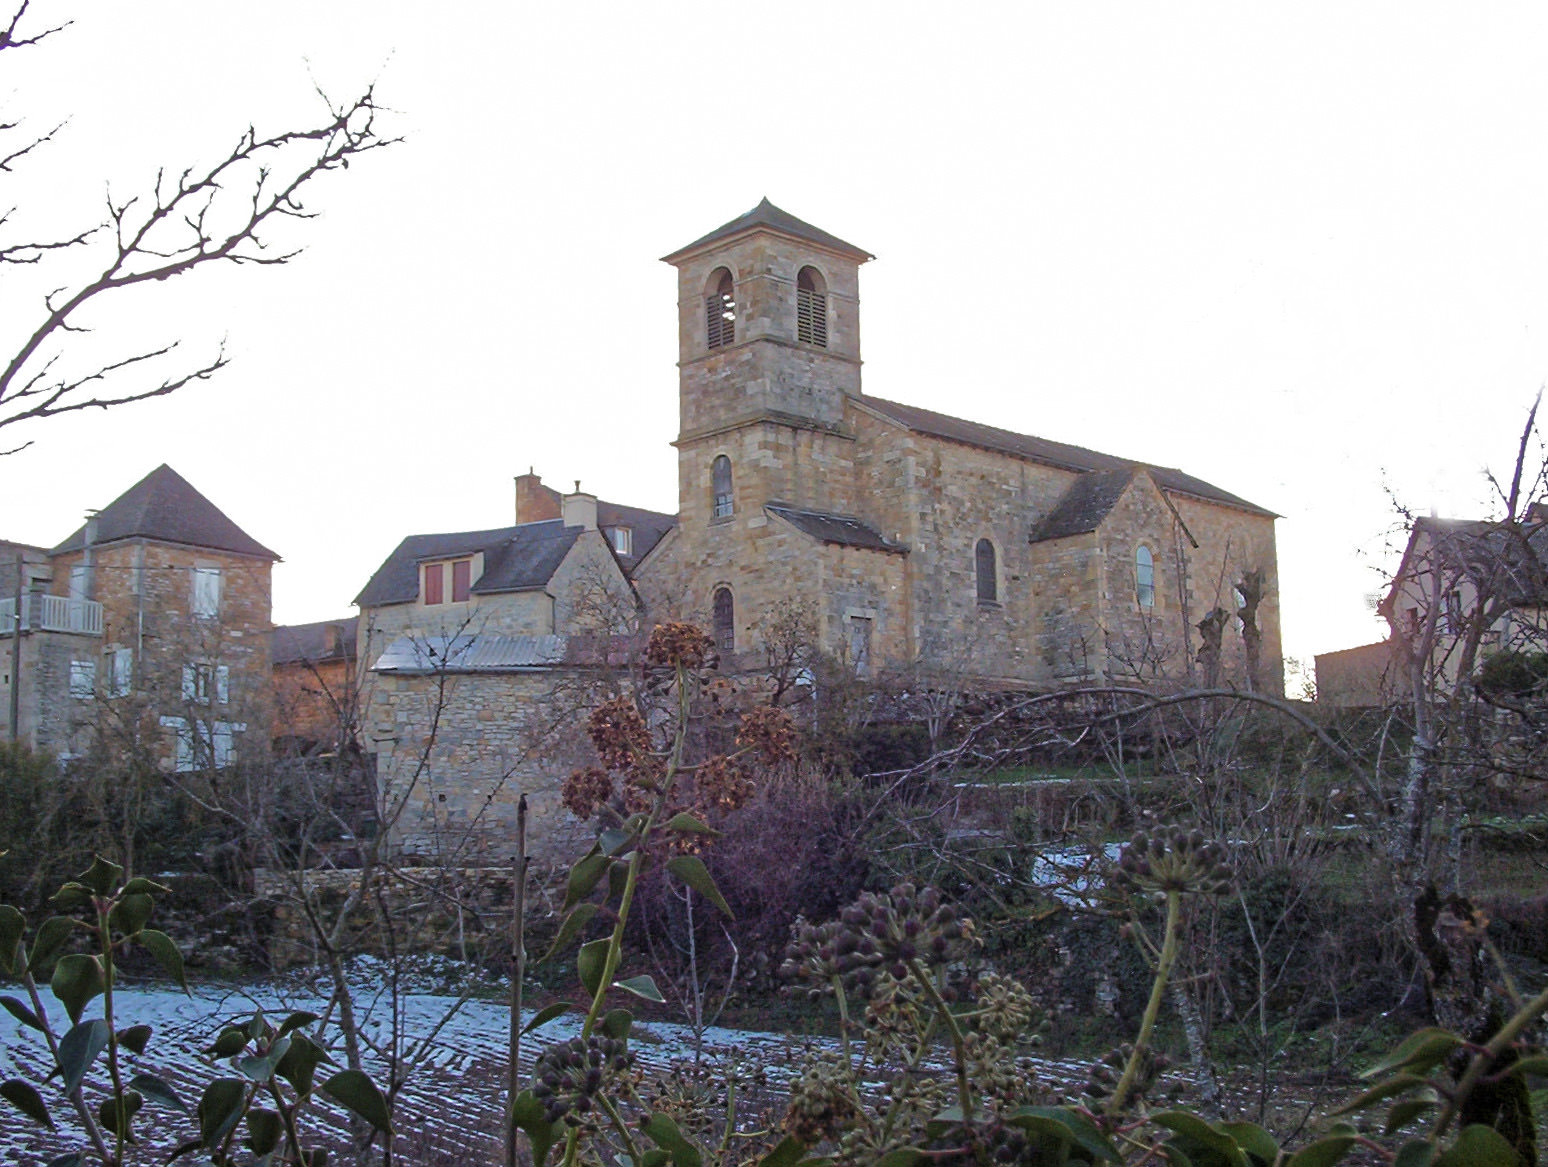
1174 860
1103 1076
770 732
586 790
618 731
679 645
722 784
1006 1010
822 1103
887 931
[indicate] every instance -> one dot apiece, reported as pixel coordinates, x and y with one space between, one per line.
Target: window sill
990 605
721 520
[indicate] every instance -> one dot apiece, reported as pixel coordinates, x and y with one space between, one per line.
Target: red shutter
460 572
435 577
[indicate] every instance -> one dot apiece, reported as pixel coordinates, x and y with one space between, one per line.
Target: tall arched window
988 581
725 620
811 308
1144 577
720 308
720 487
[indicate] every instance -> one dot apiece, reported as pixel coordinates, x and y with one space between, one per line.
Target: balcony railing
52 614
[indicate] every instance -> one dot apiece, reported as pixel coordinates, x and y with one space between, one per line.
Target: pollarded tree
187 219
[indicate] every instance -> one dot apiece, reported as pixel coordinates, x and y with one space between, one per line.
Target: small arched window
720 309
811 308
988 580
725 620
1144 578
720 486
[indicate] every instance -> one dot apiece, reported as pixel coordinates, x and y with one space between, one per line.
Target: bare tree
187 219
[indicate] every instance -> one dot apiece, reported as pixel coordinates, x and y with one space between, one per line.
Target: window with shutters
1144 577
120 665
83 679
985 568
201 745
205 602
811 308
462 572
206 684
720 486
725 620
435 583
720 309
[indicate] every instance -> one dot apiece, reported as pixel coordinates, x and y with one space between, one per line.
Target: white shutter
190 682
83 679
222 684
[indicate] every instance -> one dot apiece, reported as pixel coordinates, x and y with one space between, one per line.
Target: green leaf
131 912
613 840
1415 1153
1076 1126
76 980
584 877
79 1048
354 1090
662 1131
691 870
257 1028
903 1157
160 945
1253 1139
544 1015
135 1038
617 879
642 986
184 1149
71 895
68 1159
1397 1084
260 1067
139 885
299 1065
1322 1153
155 1090
1194 1129
297 1021
20 1011
232 1040
527 1115
616 1024
102 876
24 1096
264 1128
787 1154
219 1109
50 941
570 929
1404 1112
1536 1065
1421 1051
687 824
107 1113
1479 1146
12 925
590 962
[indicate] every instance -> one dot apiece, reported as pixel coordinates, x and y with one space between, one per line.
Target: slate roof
1049 453
323 640
163 506
1516 557
649 528
515 559
767 215
1089 500
845 530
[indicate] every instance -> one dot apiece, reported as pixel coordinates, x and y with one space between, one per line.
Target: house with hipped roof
145 629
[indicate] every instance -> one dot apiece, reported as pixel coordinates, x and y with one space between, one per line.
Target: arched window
988 582
720 309
811 308
1144 577
725 620
720 486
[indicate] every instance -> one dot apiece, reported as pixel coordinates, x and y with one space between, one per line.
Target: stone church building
914 536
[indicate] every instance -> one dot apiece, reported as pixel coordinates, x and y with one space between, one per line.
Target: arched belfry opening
720 309
811 307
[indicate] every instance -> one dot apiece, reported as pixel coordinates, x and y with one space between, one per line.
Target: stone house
315 691
151 624
476 646
915 537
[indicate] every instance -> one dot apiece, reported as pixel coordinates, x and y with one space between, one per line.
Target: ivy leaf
528 1116
232 1040
1397 1084
23 1014
1404 1112
102 876
687 824
263 1131
299 1065
1253 1139
160 945
296 1021
139 885
260 1068
1075 1127
617 1024
571 927
219 1109
1421 1051
12 925
76 980
584 877
24 1096
1322 1153
662 1131
50 941
107 1113
787 1154
354 1090
691 870
1479 1146
544 1015
135 1038
590 962
79 1048
71 895
131 912
1415 1153
642 986
155 1090
613 840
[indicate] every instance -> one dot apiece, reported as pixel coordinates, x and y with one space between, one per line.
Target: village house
913 539
146 629
316 697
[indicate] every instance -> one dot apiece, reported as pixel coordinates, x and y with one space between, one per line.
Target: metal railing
52 614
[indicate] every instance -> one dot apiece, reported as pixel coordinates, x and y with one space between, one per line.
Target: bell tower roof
767 217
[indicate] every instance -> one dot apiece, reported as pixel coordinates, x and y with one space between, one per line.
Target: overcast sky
1302 254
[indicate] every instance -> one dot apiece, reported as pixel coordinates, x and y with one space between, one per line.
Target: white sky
1302 254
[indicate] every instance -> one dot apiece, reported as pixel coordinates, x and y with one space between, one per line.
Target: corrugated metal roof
483 653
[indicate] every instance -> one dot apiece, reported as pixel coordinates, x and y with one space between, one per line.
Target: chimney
534 501
580 509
